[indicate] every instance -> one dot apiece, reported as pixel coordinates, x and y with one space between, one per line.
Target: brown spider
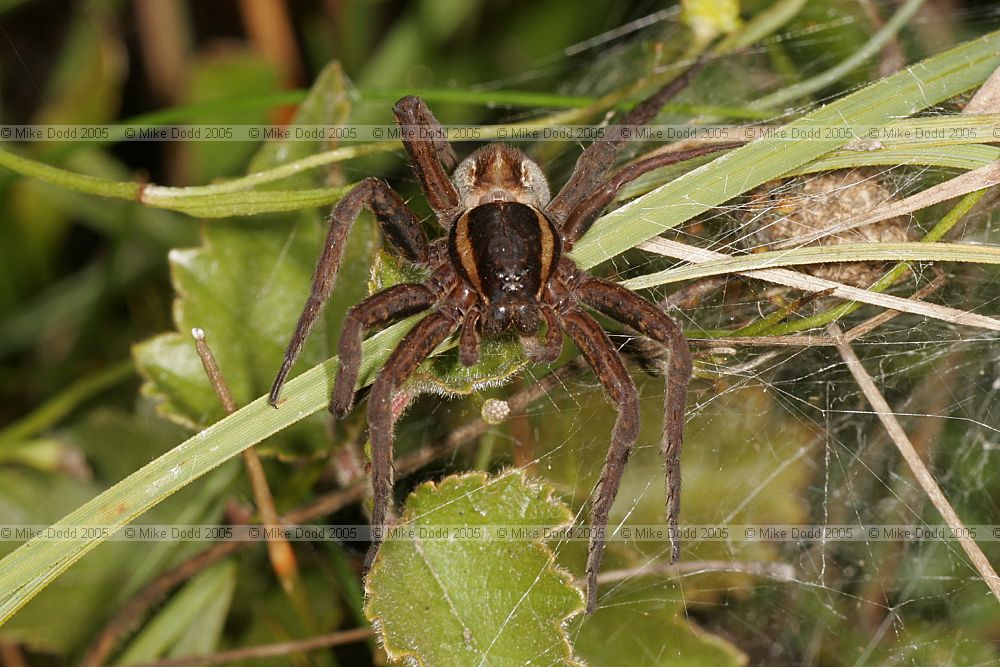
502 267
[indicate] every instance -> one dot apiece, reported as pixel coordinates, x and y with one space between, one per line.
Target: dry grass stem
808 283
916 464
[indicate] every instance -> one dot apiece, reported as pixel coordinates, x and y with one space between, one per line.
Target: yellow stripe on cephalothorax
466 254
546 251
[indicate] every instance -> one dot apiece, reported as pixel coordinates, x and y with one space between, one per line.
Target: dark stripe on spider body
506 251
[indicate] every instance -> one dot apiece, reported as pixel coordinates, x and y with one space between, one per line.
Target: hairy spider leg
411 351
380 309
548 349
598 157
400 228
632 310
431 154
468 341
602 356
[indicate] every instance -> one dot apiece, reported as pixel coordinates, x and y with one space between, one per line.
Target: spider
501 267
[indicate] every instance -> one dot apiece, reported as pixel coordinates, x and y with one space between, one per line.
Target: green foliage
460 601
638 623
217 77
245 286
114 444
191 624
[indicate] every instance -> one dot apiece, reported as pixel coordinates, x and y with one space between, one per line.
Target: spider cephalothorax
502 244
500 268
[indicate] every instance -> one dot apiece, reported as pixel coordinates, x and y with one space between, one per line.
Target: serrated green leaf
235 287
471 601
640 622
500 359
327 103
245 286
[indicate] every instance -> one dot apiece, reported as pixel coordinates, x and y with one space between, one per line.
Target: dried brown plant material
787 210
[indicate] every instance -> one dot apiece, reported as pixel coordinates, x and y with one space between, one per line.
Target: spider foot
342 400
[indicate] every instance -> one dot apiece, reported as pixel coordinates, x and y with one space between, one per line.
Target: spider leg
550 347
468 342
412 350
379 309
399 227
632 310
595 161
431 157
579 220
602 356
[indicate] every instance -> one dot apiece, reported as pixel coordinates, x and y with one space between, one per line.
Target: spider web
783 434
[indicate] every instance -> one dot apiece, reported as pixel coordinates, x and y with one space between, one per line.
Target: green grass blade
953 157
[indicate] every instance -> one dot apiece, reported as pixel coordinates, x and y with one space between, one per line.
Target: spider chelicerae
502 266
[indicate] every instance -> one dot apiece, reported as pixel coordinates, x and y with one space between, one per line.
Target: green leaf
474 601
641 623
245 286
327 103
499 360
